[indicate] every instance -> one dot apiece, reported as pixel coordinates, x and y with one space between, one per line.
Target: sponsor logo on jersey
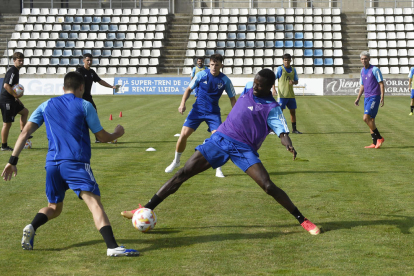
250 107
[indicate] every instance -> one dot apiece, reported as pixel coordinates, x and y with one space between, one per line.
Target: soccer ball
28 145
18 88
144 219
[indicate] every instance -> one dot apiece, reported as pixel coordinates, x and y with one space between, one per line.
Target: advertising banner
160 86
343 86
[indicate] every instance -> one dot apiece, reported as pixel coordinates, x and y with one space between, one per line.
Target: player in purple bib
254 115
372 84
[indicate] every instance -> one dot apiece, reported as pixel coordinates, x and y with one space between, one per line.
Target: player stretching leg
372 85
411 87
255 114
68 119
210 83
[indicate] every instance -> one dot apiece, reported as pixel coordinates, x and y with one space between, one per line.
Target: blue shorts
412 93
217 150
69 175
195 118
289 102
371 105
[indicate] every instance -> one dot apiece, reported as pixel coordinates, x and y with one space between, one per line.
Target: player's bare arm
274 92
381 84
361 90
10 169
285 140
9 89
233 101
291 82
104 83
104 136
186 94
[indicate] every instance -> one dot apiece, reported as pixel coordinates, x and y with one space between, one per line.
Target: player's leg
180 147
371 106
7 112
214 121
4 135
291 105
24 114
259 174
412 102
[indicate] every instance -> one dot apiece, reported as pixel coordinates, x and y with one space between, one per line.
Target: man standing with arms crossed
210 83
90 76
287 77
9 101
372 84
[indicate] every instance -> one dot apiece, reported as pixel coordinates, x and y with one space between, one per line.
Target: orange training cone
120 114
110 117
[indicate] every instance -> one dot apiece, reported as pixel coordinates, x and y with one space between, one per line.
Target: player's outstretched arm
10 169
361 90
104 83
285 140
186 94
105 137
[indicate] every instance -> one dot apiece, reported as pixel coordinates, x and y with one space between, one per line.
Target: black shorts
9 110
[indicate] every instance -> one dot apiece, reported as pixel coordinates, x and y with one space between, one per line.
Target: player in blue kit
68 119
372 84
411 87
210 83
239 138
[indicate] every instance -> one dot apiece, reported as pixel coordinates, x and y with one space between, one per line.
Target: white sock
177 157
219 169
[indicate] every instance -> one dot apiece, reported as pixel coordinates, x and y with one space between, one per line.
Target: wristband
13 160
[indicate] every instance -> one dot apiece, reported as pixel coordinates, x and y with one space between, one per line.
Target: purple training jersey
370 81
247 121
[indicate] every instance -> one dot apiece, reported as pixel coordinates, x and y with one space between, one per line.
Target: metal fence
250 4
98 4
388 4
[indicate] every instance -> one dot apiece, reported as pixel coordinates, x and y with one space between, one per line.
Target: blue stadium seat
259 44
120 36
86 28
76 28
94 28
106 19
118 44
261 19
78 19
66 28
89 51
289 27
308 44
318 61
298 44
64 61
77 53
240 44
74 61
68 19
241 28
280 19
95 61
104 28
87 19
249 44
252 19
60 44
73 36
241 36
269 44
63 35
318 52
221 52
231 36
57 53
221 44
299 35
251 28
70 44
271 19
206 61
278 44
280 27
230 44
113 28
209 52
110 36
288 44
97 19
108 44
54 61
288 35
308 53
67 53
328 61
106 53
96 53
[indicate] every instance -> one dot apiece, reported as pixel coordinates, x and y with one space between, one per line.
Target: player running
372 84
210 83
68 119
411 87
287 77
239 138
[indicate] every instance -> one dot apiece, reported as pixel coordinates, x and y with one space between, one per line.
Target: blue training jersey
210 89
67 120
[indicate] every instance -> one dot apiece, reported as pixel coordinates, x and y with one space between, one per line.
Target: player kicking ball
372 84
68 119
239 138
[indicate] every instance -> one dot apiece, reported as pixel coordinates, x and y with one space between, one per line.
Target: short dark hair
87 55
73 80
17 55
202 58
287 56
216 58
269 75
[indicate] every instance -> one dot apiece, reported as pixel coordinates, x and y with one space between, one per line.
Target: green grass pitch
362 198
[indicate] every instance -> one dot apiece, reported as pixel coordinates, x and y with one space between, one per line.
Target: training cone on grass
120 114
110 117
